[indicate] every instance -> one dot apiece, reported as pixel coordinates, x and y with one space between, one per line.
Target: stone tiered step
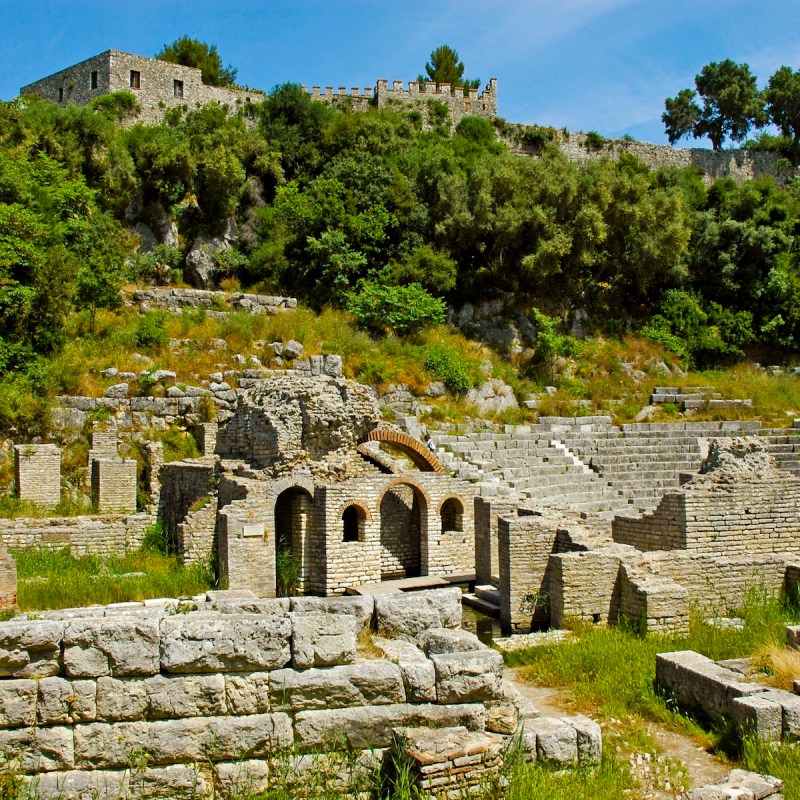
485 598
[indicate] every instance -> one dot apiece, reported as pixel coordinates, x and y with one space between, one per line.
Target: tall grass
50 579
782 761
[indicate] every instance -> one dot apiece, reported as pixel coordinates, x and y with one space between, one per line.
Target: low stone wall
741 784
202 697
699 684
105 534
176 300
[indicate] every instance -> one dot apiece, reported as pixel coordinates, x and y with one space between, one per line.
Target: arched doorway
403 525
291 530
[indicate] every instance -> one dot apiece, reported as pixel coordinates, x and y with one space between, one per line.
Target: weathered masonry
157 85
244 694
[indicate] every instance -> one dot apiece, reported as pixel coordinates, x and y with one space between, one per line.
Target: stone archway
291 512
422 457
404 528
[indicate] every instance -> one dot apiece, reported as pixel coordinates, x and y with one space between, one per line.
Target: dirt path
679 760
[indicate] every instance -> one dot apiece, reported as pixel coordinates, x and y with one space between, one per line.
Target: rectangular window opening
177 88
93 80
136 79
60 94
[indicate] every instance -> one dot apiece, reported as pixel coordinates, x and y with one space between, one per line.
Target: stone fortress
160 85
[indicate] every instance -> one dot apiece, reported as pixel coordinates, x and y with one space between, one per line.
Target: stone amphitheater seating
588 464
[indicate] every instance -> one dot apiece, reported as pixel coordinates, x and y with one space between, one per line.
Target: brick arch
290 482
416 450
403 481
358 504
447 497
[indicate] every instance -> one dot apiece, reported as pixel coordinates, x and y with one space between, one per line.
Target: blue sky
603 65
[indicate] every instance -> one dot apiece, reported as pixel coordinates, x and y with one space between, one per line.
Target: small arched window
452 515
353 519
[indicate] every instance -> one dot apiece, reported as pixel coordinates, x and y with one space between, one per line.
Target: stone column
38 473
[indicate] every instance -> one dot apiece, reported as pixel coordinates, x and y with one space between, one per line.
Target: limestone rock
248 693
322 640
117 390
39 749
119 646
408 614
201 261
292 349
468 677
436 641
63 702
556 740
232 642
493 396
366 727
419 676
370 684
740 458
17 703
361 608
502 716
30 649
589 738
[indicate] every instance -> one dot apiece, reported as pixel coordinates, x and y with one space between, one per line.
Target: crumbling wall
739 505
189 702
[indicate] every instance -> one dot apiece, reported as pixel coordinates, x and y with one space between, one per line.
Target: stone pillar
154 454
114 484
38 473
104 442
205 434
8 580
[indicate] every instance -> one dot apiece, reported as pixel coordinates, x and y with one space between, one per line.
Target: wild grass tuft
50 579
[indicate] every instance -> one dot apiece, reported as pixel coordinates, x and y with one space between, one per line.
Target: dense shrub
395 309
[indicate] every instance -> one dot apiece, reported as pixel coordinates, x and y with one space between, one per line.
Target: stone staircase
588 464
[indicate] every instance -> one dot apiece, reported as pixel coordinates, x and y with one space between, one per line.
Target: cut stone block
372 684
230 642
120 646
468 677
760 715
63 702
436 641
419 675
367 727
323 640
408 614
30 649
17 703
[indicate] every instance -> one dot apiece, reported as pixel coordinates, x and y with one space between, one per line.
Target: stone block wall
584 585
178 299
104 534
525 547
201 697
114 484
184 484
160 85
656 605
487 513
8 580
38 473
205 433
734 519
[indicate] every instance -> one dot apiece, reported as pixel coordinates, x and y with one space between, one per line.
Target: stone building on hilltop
157 85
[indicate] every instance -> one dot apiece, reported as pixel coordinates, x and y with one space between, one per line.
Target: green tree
194 53
731 105
444 67
783 105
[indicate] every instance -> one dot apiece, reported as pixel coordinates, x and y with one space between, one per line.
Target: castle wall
741 165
